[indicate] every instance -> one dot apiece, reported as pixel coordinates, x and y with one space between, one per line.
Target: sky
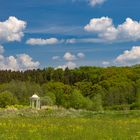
69 33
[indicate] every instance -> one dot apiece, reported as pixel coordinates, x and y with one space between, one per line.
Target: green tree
46 101
77 101
7 98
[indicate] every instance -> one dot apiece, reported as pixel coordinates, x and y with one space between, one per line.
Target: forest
91 88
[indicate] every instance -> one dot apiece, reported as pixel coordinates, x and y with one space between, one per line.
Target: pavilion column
38 103
35 102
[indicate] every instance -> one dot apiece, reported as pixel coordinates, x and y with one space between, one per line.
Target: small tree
77 101
46 101
97 102
7 98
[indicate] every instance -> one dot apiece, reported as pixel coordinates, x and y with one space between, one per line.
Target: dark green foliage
94 88
22 90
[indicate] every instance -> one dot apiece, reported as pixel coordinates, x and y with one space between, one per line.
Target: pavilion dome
35 96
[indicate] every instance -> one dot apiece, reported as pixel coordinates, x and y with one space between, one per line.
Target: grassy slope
64 124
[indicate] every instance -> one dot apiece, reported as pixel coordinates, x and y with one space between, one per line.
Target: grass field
64 124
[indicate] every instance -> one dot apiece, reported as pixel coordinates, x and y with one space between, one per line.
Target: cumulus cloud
105 63
12 29
18 62
40 41
56 58
26 62
106 30
99 24
96 2
129 57
69 57
80 55
70 65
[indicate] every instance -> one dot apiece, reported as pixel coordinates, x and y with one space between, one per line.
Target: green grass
64 124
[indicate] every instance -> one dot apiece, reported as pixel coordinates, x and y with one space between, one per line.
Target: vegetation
92 88
68 124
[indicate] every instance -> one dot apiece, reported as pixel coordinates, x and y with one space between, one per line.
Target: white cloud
26 62
71 41
39 41
105 63
99 24
93 3
81 55
129 57
70 65
69 57
106 30
12 29
129 30
96 2
86 40
1 49
18 62
56 58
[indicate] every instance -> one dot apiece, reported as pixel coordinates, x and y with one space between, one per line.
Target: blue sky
109 40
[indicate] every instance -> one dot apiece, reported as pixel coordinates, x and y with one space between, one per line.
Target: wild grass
61 124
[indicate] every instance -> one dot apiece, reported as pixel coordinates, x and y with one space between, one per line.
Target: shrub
135 106
51 95
77 101
119 107
7 98
46 101
97 102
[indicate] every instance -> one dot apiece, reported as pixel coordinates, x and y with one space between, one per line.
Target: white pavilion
35 101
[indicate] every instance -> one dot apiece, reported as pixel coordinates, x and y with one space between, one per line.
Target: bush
118 107
135 106
17 106
46 101
97 102
51 95
7 98
78 101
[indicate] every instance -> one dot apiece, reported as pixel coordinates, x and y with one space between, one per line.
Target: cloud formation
12 29
56 58
92 3
69 57
129 57
105 63
40 41
80 55
70 65
96 2
106 30
19 62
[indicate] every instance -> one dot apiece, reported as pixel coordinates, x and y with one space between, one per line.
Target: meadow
62 124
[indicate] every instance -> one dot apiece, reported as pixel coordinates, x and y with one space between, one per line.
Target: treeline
92 88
